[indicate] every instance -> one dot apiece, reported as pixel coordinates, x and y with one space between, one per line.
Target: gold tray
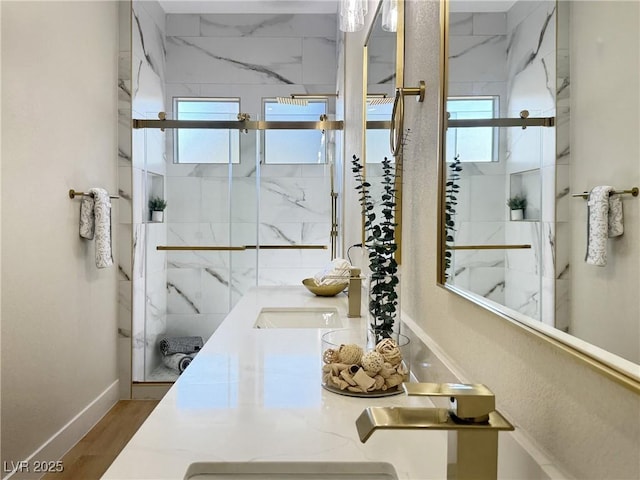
377 393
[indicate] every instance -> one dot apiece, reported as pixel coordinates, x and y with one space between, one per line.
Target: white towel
95 220
604 220
339 267
178 361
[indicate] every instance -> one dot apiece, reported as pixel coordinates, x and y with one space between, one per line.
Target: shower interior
265 217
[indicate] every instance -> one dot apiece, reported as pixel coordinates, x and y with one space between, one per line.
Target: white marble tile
124 241
183 25
190 325
563 250
481 58
184 199
294 200
548 248
487 197
234 60
318 60
261 25
184 287
460 23
494 23
522 293
524 260
155 259
215 291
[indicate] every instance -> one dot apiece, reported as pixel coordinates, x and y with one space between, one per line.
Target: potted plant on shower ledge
383 302
517 205
156 207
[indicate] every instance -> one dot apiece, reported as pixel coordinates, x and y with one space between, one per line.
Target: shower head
300 102
382 99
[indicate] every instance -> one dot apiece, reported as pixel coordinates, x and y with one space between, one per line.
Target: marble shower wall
478 66
510 55
148 275
250 57
125 236
530 166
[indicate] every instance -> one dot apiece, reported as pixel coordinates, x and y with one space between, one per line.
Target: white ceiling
249 6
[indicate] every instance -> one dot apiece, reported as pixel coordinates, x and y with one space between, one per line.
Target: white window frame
495 131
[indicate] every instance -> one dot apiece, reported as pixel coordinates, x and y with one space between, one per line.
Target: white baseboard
65 438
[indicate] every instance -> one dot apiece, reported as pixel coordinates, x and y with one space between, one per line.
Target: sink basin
291 471
298 318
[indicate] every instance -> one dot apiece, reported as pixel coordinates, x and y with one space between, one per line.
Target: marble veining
243 65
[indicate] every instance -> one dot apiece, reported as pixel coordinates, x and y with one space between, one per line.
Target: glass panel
189 293
477 215
206 146
294 146
377 140
472 144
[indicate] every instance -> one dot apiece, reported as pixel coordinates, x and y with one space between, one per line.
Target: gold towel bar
632 191
240 247
73 193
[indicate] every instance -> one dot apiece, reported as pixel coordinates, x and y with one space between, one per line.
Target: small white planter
157 216
517 214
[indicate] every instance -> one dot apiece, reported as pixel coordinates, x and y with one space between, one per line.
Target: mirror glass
380 60
515 228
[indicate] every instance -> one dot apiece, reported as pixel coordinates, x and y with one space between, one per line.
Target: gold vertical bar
441 164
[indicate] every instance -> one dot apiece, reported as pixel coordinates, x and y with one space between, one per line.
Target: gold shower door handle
487 247
238 248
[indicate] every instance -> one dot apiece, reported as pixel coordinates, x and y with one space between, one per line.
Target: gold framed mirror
515 133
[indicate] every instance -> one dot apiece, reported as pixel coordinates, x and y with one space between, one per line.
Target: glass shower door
233 220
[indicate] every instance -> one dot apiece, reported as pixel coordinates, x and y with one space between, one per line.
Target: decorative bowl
355 367
324 290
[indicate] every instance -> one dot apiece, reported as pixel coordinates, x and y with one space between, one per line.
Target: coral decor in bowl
324 290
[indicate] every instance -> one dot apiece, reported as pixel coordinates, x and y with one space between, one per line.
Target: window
294 146
472 144
204 145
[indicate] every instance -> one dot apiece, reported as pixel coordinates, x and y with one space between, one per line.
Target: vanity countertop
256 395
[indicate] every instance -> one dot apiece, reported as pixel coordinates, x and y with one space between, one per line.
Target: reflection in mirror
513 236
380 51
383 73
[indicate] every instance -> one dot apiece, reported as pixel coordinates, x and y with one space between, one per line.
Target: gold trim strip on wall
487 247
238 124
239 248
502 122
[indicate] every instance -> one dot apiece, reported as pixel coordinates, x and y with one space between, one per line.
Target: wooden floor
92 455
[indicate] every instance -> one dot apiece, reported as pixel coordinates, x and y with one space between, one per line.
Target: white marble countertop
256 395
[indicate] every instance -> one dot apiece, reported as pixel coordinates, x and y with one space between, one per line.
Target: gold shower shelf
239 247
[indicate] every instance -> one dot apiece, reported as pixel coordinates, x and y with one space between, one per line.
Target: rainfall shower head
381 99
292 100
302 99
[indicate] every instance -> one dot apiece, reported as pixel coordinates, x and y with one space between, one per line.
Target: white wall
606 153
587 423
59 106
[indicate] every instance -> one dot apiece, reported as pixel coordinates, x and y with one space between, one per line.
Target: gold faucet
355 293
472 414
